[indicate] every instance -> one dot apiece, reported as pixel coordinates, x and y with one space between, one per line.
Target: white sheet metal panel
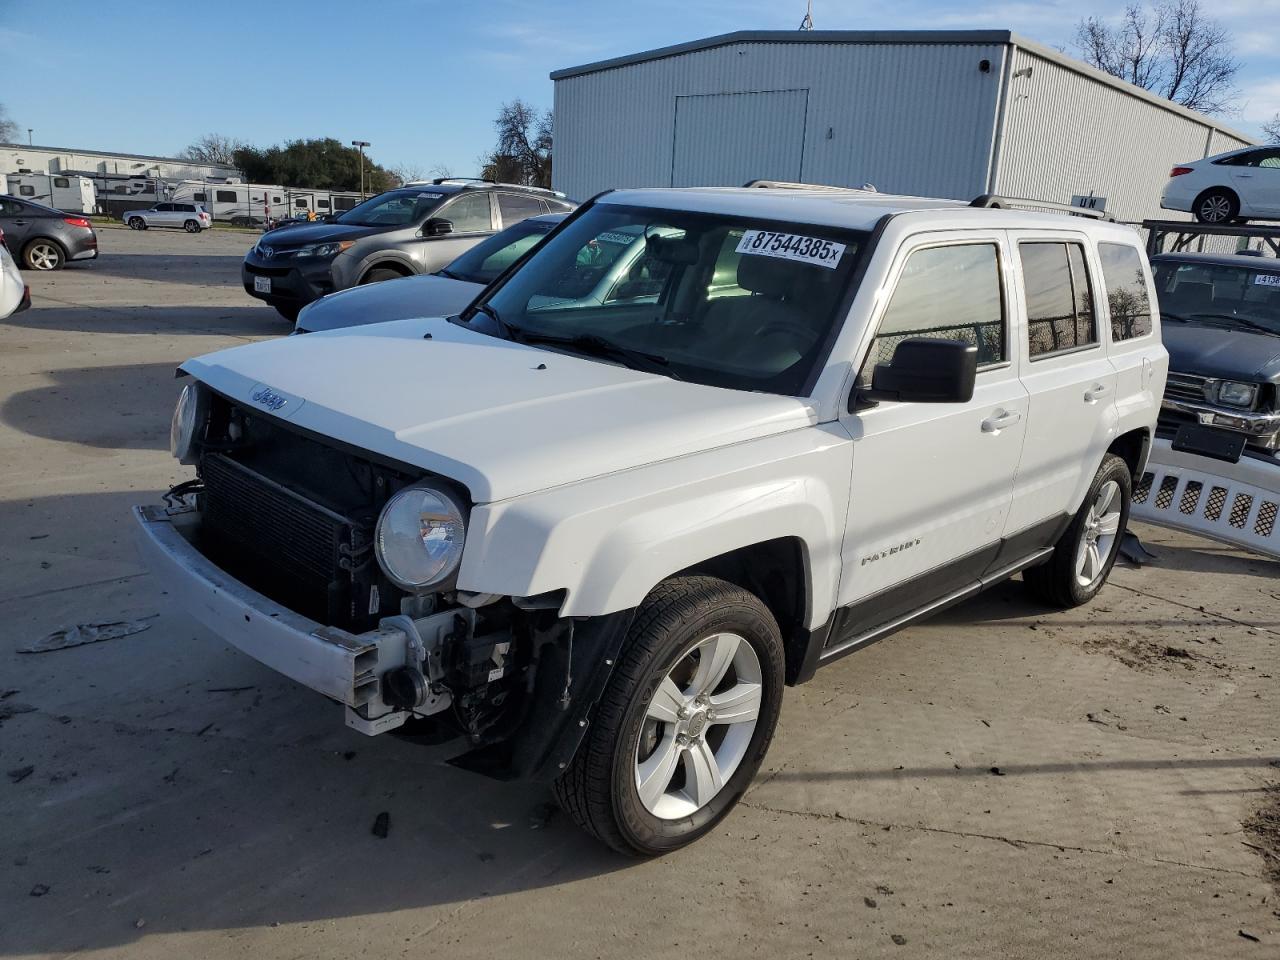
1067 133
1236 503
914 118
735 137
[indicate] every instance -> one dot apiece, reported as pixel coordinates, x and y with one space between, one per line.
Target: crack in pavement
1202 610
74 586
1013 842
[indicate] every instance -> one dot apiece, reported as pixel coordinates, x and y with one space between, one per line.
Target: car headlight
419 537
324 249
189 417
1235 394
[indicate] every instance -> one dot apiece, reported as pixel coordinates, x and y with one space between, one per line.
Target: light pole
361 144
28 136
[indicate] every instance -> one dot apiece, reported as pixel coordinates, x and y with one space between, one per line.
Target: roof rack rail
997 202
471 181
439 180
792 185
1184 232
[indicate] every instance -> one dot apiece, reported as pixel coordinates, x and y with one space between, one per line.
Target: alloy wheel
698 726
44 256
1215 208
1098 538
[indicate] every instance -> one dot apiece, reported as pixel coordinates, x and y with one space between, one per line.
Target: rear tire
1217 206
380 274
191 226
1084 555
690 710
44 255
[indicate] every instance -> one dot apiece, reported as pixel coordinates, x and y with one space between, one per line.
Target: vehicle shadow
123 407
187 266
257 320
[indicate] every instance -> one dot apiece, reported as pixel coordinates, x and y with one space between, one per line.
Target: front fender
608 541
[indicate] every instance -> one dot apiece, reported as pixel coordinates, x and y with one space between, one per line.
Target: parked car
600 537
1222 329
42 238
403 232
1237 185
191 217
439 294
15 295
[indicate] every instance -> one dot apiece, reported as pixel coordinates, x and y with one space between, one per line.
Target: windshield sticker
623 238
1267 279
429 196
790 246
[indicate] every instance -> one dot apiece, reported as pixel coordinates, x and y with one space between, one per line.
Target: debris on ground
870 902
83 633
1178 652
231 689
1248 936
382 825
1263 829
8 710
39 890
899 939
20 774
996 771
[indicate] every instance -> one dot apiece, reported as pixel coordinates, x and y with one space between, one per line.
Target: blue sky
422 79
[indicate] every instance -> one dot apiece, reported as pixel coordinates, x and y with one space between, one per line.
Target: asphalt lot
1002 781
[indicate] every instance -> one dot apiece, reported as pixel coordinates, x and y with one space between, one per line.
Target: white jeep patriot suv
597 529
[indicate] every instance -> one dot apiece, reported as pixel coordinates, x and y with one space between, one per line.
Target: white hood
501 418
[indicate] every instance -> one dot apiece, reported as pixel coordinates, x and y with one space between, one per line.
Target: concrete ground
1003 781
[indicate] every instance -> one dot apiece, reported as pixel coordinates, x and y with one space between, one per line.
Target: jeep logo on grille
268 398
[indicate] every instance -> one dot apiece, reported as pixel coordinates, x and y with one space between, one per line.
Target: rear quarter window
1127 298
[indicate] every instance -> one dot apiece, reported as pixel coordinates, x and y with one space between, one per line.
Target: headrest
766 276
1195 297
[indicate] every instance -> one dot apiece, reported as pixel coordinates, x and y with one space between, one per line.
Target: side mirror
926 370
438 228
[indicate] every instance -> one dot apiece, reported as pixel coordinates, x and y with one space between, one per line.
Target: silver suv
414 229
191 217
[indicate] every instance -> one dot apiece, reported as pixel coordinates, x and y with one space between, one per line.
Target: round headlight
188 418
419 537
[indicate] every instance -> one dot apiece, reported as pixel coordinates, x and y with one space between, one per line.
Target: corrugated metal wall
910 118
1067 133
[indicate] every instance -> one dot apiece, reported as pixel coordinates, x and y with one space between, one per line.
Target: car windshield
483 262
1214 294
396 208
725 300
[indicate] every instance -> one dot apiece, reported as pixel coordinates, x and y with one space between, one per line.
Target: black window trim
1096 342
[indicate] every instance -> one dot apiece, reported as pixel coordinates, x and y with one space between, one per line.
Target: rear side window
1059 298
951 293
515 208
1126 291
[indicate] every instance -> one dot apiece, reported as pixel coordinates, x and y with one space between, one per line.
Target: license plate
262 284
1208 442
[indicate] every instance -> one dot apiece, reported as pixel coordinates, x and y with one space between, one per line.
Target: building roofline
118 155
967 37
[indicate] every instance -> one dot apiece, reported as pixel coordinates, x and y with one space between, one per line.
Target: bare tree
1271 129
407 173
213 148
1171 49
8 128
523 151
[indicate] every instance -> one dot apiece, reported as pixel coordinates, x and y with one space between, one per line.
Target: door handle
1096 392
1000 420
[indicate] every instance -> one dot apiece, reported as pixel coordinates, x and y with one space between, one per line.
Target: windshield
396 208
1214 294
483 262
719 299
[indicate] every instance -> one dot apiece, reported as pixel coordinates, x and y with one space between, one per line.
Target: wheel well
399 268
1218 189
775 572
54 240
1132 448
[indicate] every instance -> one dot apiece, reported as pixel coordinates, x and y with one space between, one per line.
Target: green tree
319 164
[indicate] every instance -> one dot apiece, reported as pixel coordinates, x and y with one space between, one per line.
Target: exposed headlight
189 417
1235 394
419 537
324 249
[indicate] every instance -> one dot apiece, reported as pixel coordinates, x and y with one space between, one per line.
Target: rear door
1070 381
514 207
1256 178
932 482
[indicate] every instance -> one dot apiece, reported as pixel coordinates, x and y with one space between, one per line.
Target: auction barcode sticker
1267 279
791 246
623 238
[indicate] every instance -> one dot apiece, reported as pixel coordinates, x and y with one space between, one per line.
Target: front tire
685 720
381 274
136 223
1217 206
43 254
1083 556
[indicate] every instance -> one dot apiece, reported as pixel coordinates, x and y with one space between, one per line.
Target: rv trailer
71 194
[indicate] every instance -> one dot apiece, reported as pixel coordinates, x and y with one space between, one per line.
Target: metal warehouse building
947 114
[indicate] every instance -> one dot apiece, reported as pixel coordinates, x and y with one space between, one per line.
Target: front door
15 221
932 482
471 216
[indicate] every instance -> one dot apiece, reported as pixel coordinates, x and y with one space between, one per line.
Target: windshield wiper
1240 321
600 346
447 273
509 330
1166 315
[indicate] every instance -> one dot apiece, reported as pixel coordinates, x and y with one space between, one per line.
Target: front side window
164 207
469 214
952 293
487 259
1059 298
635 285
1127 297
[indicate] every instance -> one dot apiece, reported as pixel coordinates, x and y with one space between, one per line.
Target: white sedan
1238 185
15 296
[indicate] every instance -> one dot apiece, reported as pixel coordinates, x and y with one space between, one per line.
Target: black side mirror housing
926 370
438 228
